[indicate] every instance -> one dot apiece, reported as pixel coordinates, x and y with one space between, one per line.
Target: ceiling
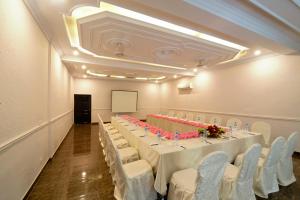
206 34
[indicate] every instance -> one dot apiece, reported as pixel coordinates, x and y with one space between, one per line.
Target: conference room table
168 156
173 124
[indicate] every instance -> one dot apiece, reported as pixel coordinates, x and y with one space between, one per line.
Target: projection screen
123 101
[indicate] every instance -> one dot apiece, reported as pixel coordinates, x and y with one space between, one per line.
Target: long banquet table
174 124
167 156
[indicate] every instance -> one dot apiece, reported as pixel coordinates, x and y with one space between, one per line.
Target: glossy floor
78 171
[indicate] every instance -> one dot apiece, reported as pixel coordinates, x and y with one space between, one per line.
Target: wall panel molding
284 118
25 134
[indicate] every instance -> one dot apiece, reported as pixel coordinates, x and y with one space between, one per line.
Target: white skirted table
167 156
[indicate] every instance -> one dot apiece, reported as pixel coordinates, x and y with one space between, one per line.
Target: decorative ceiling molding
281 13
239 15
97 30
121 65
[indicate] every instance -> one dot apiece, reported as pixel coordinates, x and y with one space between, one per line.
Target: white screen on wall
124 101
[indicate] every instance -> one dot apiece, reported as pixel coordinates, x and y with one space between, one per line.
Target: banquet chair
265 181
116 136
134 180
171 113
234 123
190 116
203 183
285 174
200 118
181 115
216 120
263 128
238 180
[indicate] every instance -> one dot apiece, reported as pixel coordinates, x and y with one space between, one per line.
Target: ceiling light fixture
84 76
158 78
141 78
116 76
83 67
257 52
156 81
175 76
96 74
195 70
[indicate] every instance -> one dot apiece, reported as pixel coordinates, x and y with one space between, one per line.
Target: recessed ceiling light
257 52
95 74
83 66
158 78
84 76
115 76
75 53
175 76
195 69
141 78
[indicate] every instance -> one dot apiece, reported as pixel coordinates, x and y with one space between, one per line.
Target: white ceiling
271 27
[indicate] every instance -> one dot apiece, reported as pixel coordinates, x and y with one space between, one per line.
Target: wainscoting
23 157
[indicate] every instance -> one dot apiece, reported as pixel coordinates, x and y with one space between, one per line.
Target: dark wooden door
82 108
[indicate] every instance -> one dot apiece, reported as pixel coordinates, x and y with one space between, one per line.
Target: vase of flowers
213 131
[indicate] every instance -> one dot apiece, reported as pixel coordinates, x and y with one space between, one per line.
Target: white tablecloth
167 157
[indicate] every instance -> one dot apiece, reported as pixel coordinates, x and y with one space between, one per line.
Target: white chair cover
216 120
116 136
190 116
203 183
238 181
263 128
285 172
180 115
134 181
266 174
200 118
234 123
171 113
128 155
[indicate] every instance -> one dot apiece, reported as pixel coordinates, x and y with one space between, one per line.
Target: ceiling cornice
241 17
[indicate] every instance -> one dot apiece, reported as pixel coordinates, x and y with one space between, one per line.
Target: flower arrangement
213 131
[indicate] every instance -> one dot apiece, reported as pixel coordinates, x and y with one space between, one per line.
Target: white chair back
183 115
171 113
118 174
263 128
234 123
210 174
275 152
216 120
290 145
200 118
190 116
249 164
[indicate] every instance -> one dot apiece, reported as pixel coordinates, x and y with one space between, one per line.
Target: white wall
266 89
148 95
29 133
61 99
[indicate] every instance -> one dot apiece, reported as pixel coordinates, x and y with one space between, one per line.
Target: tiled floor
78 171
